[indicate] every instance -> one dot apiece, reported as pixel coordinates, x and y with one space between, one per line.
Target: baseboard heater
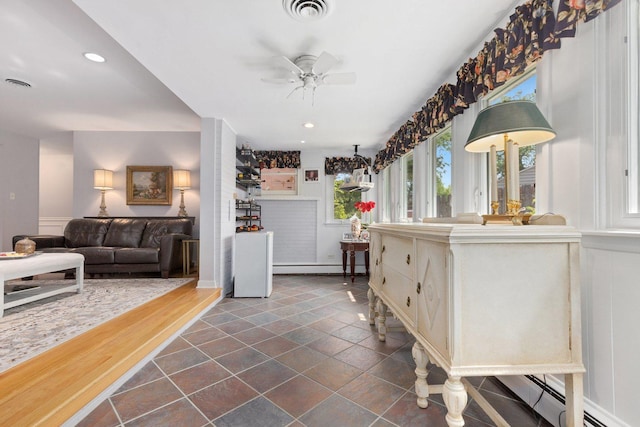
560 398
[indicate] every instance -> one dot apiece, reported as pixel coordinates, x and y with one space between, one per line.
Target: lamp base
506 218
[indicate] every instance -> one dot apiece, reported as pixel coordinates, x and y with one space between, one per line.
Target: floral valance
278 159
532 29
336 165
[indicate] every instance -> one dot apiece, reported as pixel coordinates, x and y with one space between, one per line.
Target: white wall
19 172
116 151
56 183
327 247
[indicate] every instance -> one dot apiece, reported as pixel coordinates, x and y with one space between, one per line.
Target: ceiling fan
310 72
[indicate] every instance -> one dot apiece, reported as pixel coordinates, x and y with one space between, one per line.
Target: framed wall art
311 175
149 185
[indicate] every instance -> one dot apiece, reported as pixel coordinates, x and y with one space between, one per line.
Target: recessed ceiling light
94 57
308 125
303 141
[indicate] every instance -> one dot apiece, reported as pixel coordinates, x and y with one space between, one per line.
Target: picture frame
149 185
280 181
311 175
347 236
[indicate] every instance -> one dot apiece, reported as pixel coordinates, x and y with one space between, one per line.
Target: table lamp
182 181
507 126
103 180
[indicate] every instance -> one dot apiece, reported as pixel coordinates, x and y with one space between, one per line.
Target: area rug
30 329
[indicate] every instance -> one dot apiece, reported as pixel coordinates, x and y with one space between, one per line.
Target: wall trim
612 240
549 408
52 225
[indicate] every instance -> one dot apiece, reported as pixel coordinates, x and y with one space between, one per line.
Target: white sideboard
482 300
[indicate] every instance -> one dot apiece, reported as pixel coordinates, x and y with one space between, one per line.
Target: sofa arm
43 241
171 253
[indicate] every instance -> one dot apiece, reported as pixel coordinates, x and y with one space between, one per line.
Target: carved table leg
455 397
382 318
372 306
422 388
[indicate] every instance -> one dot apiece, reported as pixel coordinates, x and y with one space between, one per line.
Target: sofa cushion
81 232
157 228
137 255
96 254
125 233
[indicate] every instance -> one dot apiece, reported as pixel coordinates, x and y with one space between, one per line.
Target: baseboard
207 284
313 269
550 408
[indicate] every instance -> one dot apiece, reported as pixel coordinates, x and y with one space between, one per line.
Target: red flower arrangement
365 206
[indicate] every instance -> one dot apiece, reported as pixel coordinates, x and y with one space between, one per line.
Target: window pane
343 201
523 89
442 145
408 184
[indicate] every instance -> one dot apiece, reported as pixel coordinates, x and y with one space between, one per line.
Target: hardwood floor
50 388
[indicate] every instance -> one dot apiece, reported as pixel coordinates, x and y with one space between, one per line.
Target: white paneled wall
294 226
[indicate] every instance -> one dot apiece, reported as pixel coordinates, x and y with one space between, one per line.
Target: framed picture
347 236
149 185
279 181
311 175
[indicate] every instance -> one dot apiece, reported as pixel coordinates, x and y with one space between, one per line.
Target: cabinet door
432 283
398 286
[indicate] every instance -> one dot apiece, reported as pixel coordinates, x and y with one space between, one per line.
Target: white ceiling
171 62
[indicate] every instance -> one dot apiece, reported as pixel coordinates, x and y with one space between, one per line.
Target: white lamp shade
103 179
181 179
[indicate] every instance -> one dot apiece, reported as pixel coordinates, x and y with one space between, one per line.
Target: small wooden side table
353 246
187 245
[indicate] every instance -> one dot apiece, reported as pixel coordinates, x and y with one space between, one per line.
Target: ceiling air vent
17 82
307 10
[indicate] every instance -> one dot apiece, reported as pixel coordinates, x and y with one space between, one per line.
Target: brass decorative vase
25 246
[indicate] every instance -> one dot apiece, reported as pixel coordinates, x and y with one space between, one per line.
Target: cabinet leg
382 319
372 306
422 387
574 392
455 397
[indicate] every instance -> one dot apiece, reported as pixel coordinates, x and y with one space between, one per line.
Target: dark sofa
121 245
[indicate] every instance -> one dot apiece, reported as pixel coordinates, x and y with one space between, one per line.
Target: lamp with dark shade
182 181
508 126
103 180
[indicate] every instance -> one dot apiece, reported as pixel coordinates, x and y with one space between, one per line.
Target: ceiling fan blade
324 63
280 81
339 79
291 93
286 63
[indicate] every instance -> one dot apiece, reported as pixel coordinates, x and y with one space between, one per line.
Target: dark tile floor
306 356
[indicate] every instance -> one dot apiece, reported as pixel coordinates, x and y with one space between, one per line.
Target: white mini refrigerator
253 264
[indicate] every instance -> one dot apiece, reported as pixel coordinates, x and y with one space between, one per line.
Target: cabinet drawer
399 293
398 253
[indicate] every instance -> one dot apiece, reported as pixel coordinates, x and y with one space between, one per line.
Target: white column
209 206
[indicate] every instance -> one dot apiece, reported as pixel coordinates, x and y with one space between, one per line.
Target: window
343 201
442 171
386 196
407 186
523 87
